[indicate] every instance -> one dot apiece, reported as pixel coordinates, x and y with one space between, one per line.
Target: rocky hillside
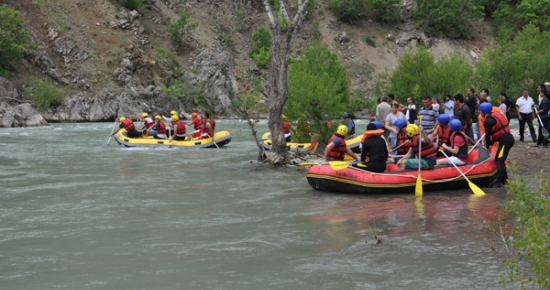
109 61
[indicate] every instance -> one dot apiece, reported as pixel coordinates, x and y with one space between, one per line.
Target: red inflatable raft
479 169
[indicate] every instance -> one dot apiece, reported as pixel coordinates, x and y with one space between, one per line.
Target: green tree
317 86
261 38
449 16
13 36
43 93
352 11
180 29
131 4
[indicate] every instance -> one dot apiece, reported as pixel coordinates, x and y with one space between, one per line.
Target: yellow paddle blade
501 153
475 188
419 207
418 189
338 165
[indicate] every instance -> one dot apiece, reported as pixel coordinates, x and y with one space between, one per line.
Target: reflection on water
77 213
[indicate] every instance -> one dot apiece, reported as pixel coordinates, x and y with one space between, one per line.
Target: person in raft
197 125
402 137
428 160
128 125
286 129
497 130
374 151
442 132
148 124
179 129
159 129
459 145
209 127
336 148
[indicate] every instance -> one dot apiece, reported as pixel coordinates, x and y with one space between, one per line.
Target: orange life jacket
371 133
161 128
128 124
181 128
443 135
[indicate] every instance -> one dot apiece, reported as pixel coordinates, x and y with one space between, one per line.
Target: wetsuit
375 149
497 129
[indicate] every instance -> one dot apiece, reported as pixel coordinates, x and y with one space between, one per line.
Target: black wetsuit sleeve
364 149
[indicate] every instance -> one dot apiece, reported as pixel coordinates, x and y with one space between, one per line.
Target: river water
77 213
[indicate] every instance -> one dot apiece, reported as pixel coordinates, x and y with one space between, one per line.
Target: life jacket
340 152
427 150
128 125
197 124
286 126
463 150
443 135
149 122
181 128
495 110
371 133
161 128
501 127
401 138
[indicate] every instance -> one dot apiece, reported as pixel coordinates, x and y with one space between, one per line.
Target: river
77 213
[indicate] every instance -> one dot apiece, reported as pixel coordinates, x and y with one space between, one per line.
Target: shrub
13 38
131 4
43 94
180 29
186 92
263 57
352 11
260 38
449 16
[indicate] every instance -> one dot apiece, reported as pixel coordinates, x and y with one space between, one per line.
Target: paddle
213 140
473 187
114 125
418 188
475 145
543 129
336 165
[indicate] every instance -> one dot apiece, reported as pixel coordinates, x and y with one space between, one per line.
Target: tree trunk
277 76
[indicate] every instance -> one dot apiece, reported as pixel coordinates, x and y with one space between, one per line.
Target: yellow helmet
158 117
175 118
122 119
144 115
284 117
342 130
412 130
173 112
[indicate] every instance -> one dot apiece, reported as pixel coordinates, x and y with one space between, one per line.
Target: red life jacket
128 125
197 124
181 128
161 128
463 150
427 150
401 138
443 135
286 126
149 122
340 152
500 128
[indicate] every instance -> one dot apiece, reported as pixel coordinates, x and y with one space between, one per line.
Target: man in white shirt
410 114
524 106
449 106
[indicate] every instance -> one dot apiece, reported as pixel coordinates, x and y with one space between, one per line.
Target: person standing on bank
497 130
473 103
463 114
429 115
390 124
449 106
524 106
348 121
542 111
410 114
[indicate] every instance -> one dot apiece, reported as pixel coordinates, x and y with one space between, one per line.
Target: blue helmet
485 108
377 124
346 115
456 125
400 123
443 119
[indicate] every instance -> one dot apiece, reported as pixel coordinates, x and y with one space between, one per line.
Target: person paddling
427 156
179 129
458 147
336 148
128 125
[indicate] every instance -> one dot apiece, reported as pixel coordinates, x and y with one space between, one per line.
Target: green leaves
449 16
13 36
180 29
43 94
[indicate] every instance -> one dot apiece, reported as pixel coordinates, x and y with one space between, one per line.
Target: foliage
533 228
180 29
186 92
263 57
352 11
13 38
515 64
418 75
449 16
317 85
261 38
131 4
43 94
516 14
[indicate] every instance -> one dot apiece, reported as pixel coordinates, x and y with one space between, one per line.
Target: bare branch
283 11
270 14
